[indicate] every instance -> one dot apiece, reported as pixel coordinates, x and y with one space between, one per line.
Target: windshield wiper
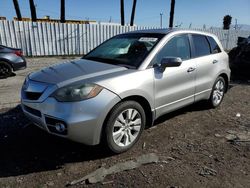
102 60
94 58
110 61
125 65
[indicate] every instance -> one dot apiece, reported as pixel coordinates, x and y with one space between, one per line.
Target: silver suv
124 84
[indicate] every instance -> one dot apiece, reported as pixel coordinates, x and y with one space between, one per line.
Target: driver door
175 86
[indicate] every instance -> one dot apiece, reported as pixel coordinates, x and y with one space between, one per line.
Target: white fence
42 39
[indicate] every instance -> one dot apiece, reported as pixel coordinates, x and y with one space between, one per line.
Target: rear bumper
19 65
16 62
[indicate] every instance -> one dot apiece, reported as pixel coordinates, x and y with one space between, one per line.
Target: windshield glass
127 50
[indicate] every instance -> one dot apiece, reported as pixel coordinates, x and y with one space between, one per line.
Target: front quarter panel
133 83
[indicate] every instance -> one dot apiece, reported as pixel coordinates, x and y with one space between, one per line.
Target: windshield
127 50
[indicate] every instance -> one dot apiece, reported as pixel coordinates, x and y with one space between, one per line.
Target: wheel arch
145 105
225 77
8 62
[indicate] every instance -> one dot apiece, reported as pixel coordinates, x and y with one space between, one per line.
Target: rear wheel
218 92
5 69
124 126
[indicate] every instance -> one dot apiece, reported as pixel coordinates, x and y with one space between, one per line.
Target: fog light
60 127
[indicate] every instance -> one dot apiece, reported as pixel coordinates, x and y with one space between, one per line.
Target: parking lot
197 146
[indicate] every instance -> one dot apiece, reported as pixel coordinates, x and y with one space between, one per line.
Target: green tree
122 12
62 19
17 9
171 17
33 10
133 13
227 21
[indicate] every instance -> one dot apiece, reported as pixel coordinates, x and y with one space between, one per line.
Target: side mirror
169 62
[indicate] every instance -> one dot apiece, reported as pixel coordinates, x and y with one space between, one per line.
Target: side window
213 45
178 46
201 45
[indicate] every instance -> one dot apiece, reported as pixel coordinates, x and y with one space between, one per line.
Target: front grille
33 90
32 111
32 95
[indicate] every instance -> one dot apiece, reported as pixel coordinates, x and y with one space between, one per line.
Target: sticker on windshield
148 39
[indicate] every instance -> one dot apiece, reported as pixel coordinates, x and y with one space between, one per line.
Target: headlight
79 92
26 83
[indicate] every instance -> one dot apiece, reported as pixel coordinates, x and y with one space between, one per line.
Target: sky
194 12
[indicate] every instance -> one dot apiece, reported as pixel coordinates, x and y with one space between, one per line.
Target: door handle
191 69
215 61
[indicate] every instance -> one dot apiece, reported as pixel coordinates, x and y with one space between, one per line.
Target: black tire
5 69
220 92
121 109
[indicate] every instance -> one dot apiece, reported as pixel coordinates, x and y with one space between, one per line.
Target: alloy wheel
127 127
218 92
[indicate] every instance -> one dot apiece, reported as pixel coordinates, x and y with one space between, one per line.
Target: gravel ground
197 147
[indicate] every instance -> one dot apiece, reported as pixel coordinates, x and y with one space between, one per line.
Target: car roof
155 31
169 30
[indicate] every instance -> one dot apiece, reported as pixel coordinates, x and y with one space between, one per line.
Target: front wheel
218 92
124 126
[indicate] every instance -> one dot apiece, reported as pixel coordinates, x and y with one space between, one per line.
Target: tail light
18 52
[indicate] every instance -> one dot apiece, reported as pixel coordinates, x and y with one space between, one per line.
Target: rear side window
213 45
201 45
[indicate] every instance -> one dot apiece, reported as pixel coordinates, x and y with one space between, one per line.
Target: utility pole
236 24
161 19
190 25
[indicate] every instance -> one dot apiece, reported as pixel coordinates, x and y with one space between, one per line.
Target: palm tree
227 21
133 13
62 11
33 10
122 12
18 13
171 18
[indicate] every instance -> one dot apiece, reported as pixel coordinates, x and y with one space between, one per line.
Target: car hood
73 71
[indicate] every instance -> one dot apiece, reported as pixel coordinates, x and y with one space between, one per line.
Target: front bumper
83 120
